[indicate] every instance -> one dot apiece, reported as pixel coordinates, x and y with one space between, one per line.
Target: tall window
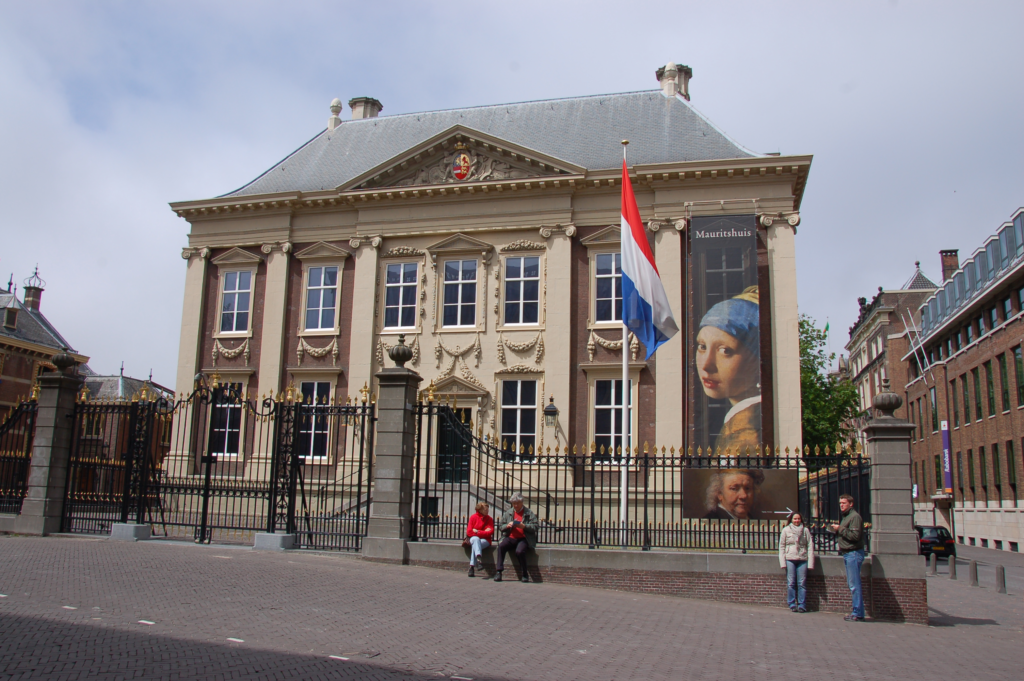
970 469
1004 382
956 403
234 305
1007 309
522 290
400 287
313 423
960 471
321 297
935 410
226 423
976 374
997 473
970 333
608 285
983 467
608 429
1011 464
958 339
993 316
459 293
967 400
518 419
920 419
938 475
990 384
1018 365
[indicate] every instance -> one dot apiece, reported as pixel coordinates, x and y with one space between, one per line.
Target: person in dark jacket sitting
518 526
850 538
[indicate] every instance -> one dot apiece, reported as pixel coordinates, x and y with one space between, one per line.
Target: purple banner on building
947 460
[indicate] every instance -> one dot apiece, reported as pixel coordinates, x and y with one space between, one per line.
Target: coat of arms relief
465 165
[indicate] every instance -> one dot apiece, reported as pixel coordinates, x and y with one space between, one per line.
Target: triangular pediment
237 256
322 250
460 243
455 385
608 235
461 155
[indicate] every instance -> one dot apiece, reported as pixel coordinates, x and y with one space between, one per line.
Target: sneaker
479 563
853 618
497 576
472 572
792 608
801 609
524 578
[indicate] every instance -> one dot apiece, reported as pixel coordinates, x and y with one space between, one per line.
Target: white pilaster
360 361
275 301
785 330
191 320
558 369
668 425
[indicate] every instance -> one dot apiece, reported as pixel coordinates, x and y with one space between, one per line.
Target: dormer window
11 318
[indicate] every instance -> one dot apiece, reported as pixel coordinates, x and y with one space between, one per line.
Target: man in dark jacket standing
850 538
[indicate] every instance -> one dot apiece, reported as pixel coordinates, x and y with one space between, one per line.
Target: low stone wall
738 578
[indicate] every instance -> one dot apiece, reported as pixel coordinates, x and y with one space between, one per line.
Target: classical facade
27 342
967 384
881 337
489 237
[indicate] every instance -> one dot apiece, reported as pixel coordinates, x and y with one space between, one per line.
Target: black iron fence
16 434
652 498
219 466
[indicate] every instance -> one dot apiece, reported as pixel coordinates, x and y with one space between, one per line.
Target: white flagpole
626 392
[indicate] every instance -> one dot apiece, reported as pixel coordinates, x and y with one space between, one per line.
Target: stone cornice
42 351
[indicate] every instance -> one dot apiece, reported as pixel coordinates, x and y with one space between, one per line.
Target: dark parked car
935 540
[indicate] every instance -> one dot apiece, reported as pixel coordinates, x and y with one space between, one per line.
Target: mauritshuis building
489 238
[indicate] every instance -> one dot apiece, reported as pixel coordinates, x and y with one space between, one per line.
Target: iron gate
219 466
16 435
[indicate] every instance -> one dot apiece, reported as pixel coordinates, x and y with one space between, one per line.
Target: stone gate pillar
43 507
898 588
390 522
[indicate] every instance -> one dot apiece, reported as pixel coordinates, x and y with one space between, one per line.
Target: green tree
829 403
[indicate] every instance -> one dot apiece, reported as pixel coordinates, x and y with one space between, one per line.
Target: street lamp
551 413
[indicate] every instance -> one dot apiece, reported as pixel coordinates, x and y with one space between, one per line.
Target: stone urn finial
401 353
887 401
63 361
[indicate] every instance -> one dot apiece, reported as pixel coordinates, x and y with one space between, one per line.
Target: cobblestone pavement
95 609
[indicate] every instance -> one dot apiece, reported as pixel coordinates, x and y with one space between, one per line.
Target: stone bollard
972 571
933 565
952 567
1000 579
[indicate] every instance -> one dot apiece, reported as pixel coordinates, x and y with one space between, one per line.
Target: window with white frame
314 421
459 293
226 422
608 430
608 287
321 297
518 419
234 304
400 288
522 290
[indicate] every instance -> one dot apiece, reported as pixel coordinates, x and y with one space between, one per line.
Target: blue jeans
477 545
853 560
796 578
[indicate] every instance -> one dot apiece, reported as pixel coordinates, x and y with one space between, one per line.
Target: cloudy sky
110 110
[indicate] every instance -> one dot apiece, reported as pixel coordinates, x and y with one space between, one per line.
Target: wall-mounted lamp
551 413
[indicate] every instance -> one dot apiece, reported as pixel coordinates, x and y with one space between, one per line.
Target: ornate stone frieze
307 349
221 351
517 369
465 165
524 346
522 245
595 340
402 251
459 353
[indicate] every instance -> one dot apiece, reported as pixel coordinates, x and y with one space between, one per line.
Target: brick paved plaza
77 608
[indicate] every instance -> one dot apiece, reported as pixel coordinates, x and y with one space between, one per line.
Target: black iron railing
653 498
16 434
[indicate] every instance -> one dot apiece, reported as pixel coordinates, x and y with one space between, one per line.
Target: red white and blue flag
645 308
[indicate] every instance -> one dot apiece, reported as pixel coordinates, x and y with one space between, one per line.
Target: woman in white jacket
796 556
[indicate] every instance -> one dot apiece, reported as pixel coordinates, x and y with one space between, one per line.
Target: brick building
968 377
881 337
489 238
27 342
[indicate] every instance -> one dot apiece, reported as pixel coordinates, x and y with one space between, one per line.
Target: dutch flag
645 308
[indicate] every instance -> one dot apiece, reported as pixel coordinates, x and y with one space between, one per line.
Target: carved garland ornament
402 251
441 349
595 340
383 348
537 342
522 245
221 351
306 348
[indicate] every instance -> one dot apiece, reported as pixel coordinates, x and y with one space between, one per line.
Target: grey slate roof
919 281
32 326
119 387
585 131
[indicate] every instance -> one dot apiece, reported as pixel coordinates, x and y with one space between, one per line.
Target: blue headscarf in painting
739 317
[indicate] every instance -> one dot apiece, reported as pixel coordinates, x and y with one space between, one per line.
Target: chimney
34 287
950 263
365 107
675 79
333 122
